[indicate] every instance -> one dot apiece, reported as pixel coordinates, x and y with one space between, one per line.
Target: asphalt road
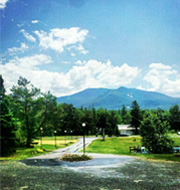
98 161
103 172
73 149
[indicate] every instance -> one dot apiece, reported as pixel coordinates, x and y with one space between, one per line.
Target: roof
125 127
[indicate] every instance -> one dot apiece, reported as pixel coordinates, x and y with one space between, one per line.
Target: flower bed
75 157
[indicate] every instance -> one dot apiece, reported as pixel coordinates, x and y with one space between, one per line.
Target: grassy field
120 146
60 140
48 145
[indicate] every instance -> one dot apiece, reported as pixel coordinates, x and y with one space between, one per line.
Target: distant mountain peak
114 98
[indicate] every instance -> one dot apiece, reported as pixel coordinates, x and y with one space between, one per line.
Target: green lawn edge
24 152
120 146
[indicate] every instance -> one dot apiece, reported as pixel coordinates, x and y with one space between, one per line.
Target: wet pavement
99 160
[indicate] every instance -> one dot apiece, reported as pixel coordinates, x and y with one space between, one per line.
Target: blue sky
66 46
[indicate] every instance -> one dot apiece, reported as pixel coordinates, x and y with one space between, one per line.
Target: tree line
26 113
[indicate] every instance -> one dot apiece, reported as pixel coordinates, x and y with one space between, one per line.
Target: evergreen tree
102 121
71 119
126 116
8 123
175 117
123 113
113 120
136 116
89 120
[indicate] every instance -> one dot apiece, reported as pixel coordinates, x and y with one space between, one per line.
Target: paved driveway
98 161
73 149
104 172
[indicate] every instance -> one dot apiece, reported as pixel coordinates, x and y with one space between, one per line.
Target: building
125 129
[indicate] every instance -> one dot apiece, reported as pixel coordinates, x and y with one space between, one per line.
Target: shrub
75 157
154 132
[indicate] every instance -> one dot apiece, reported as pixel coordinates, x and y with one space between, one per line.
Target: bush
75 157
154 132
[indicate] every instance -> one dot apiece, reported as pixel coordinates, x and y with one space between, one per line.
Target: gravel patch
103 172
135 175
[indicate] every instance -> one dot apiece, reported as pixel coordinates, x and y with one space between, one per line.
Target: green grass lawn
48 145
120 146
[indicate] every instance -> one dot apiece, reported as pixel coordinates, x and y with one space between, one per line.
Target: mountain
113 99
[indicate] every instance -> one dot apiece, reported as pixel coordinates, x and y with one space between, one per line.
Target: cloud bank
92 73
163 78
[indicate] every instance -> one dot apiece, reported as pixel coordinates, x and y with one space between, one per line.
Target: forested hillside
116 98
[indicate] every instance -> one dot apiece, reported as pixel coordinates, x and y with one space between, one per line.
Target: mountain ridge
113 99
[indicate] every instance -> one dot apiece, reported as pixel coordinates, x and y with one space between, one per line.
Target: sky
66 46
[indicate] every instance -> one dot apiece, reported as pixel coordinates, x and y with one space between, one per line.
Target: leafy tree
136 116
77 127
113 120
88 118
102 122
33 108
24 97
175 117
8 123
126 116
154 134
123 113
71 119
46 112
94 113
58 120
2 89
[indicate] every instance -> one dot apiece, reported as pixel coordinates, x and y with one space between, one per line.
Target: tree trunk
103 131
28 141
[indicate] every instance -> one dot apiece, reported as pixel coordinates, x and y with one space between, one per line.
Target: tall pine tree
136 116
7 122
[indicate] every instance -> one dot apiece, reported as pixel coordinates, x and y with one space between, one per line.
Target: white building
125 129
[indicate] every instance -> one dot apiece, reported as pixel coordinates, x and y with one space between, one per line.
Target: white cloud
20 25
81 49
14 50
59 39
164 79
25 67
78 48
92 74
3 3
73 54
28 36
159 66
34 21
79 62
88 74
